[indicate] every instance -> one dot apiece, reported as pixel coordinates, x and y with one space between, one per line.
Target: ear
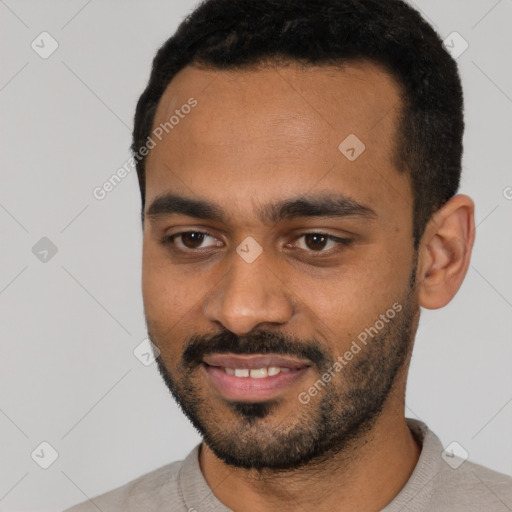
445 251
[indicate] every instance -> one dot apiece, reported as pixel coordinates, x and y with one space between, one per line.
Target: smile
256 373
254 377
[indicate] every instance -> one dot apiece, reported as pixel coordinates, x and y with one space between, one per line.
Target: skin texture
262 136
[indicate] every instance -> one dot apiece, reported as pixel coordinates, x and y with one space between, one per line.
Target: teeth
256 373
259 373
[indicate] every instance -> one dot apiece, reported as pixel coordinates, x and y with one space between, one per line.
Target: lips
253 377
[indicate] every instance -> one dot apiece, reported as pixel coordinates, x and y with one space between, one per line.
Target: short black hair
236 34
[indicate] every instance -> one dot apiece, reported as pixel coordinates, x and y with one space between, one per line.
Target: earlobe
445 252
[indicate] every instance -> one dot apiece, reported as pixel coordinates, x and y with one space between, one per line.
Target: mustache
263 342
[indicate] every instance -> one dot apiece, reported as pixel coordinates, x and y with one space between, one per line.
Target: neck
366 476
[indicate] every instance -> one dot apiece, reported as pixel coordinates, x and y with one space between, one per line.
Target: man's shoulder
150 489
486 474
475 486
443 482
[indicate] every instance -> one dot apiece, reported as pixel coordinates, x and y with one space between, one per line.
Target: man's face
302 249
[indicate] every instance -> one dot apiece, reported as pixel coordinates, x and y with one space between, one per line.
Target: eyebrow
325 205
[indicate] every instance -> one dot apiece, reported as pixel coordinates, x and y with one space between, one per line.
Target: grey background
69 325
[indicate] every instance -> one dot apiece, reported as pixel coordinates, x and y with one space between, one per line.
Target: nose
249 296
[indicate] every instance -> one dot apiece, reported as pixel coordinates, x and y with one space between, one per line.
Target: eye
315 242
191 240
320 242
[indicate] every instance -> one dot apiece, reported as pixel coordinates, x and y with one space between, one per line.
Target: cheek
167 310
169 292
355 295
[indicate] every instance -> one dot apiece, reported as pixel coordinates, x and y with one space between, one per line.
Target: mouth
253 378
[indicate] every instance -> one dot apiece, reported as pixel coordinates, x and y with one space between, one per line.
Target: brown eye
321 243
192 239
315 241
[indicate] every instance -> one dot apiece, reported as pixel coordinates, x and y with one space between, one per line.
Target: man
298 164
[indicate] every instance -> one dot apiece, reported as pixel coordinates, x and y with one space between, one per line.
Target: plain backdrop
71 320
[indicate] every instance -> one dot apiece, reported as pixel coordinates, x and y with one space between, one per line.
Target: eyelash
169 240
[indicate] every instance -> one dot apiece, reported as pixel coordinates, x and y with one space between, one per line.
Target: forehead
356 94
280 126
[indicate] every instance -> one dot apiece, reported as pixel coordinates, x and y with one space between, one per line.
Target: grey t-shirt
436 485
